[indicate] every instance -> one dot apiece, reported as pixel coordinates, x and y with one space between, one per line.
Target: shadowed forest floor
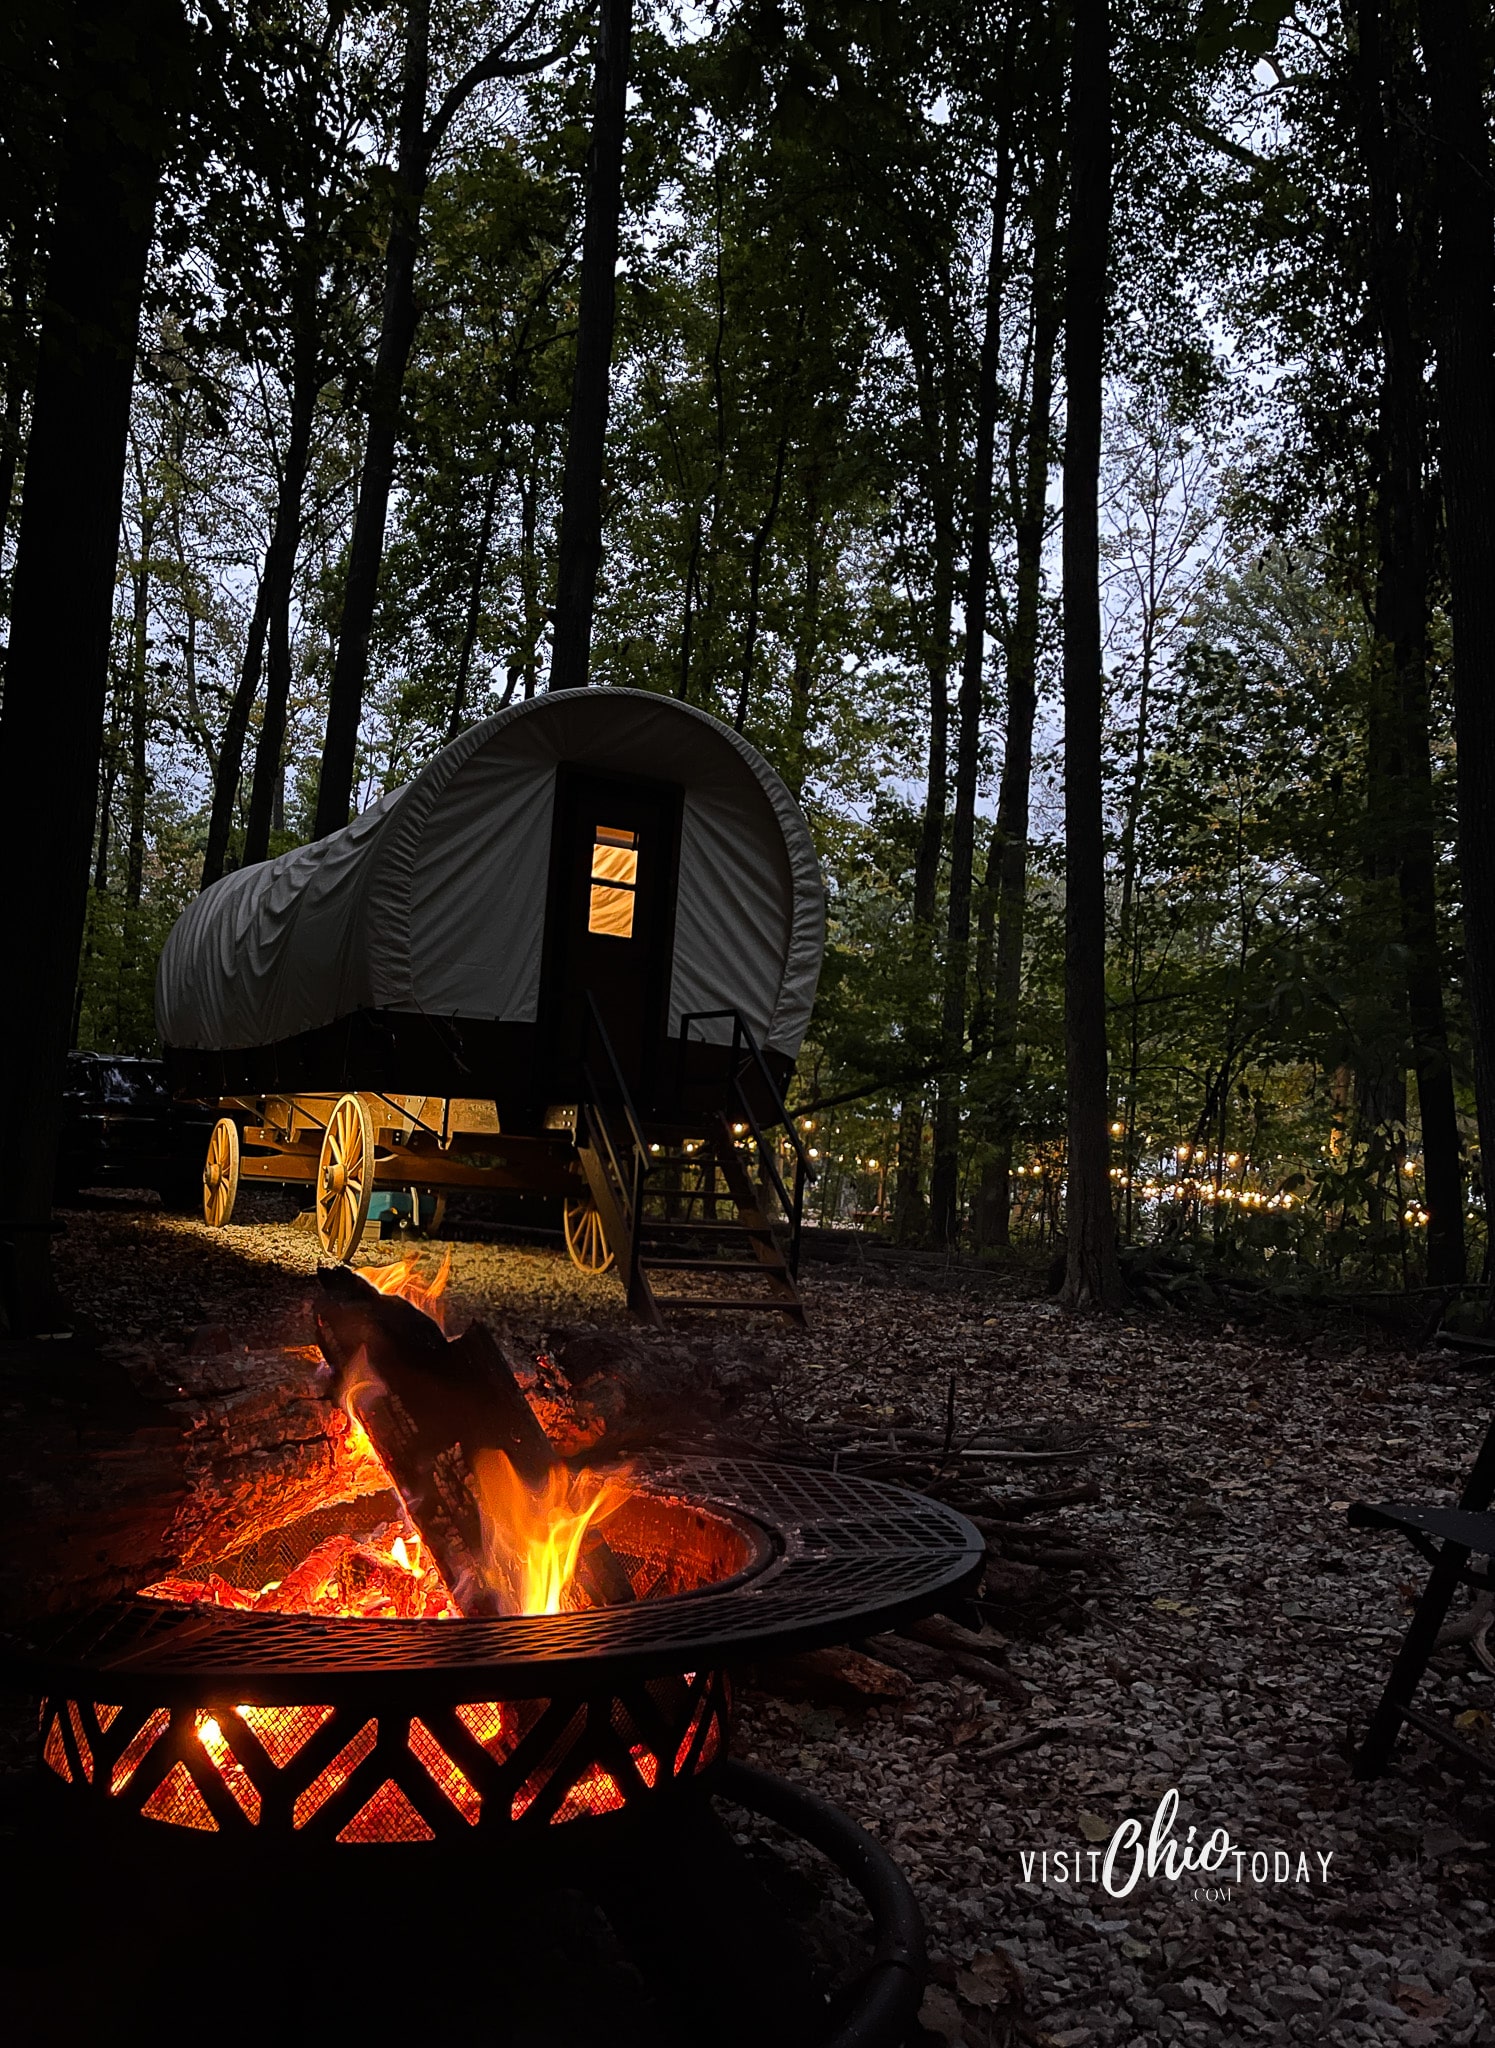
1230 1643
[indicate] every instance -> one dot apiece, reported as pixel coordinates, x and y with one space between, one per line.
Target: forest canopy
841 422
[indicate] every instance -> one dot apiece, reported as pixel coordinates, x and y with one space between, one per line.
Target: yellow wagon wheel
220 1172
586 1240
345 1178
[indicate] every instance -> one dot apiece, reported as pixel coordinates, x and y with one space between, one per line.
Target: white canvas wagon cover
434 900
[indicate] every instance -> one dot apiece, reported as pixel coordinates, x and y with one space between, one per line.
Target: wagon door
610 922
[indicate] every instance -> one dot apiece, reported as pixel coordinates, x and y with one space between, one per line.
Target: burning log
450 1423
120 1468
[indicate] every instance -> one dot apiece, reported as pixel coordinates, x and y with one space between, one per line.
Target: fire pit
490 1659
317 1733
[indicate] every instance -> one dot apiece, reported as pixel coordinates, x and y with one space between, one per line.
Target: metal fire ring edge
848 1557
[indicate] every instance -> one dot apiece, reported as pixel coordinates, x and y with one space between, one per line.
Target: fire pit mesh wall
342 1775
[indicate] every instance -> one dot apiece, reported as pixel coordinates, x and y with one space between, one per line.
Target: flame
532 1536
358 1380
403 1277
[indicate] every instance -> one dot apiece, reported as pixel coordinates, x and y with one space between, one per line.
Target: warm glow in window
614 882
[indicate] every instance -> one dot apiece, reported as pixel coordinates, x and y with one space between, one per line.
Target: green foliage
809 197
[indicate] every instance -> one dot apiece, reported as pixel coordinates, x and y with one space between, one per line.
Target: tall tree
580 552
419 136
944 1179
280 571
1092 1276
122 80
1457 59
1029 463
283 218
1387 121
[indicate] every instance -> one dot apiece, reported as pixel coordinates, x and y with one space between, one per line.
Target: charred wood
431 1407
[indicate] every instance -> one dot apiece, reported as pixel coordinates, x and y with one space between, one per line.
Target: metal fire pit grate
839 1557
280 1728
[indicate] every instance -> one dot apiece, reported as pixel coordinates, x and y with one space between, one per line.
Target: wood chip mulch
1193 1615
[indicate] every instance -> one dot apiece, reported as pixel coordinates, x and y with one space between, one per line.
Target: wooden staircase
698 1219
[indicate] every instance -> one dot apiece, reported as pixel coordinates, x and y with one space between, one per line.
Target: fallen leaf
992 1980
1211 1995
940 2015
1419 2004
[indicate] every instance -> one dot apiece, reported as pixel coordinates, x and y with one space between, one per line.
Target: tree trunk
398 319
475 594
120 89
140 582
1457 84
935 380
20 257
934 406
280 577
529 571
230 767
908 1190
989 1209
1030 496
688 615
761 537
1386 115
580 546
190 687
807 646
944 1207
1092 1275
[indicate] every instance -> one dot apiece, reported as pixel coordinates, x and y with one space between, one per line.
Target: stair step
703 1265
683 1225
783 1305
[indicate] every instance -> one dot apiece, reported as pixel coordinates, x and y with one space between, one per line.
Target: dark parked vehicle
121 1129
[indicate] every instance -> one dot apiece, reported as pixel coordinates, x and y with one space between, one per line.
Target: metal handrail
792 1205
742 1034
618 1076
630 1186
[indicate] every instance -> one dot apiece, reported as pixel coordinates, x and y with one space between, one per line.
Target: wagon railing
625 1179
746 1058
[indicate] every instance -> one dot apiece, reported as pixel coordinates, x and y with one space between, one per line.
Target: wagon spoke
220 1173
344 1177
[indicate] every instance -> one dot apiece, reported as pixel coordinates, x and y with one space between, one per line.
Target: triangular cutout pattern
54 1752
387 1817
455 1784
177 1800
283 1731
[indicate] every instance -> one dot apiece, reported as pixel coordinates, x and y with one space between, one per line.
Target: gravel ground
1236 1645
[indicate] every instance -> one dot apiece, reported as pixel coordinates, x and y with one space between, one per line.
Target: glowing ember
384 1576
403 1277
532 1536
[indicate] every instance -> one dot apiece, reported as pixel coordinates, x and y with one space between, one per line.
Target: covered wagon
575 955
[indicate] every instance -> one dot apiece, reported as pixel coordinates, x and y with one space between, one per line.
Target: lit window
614 882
